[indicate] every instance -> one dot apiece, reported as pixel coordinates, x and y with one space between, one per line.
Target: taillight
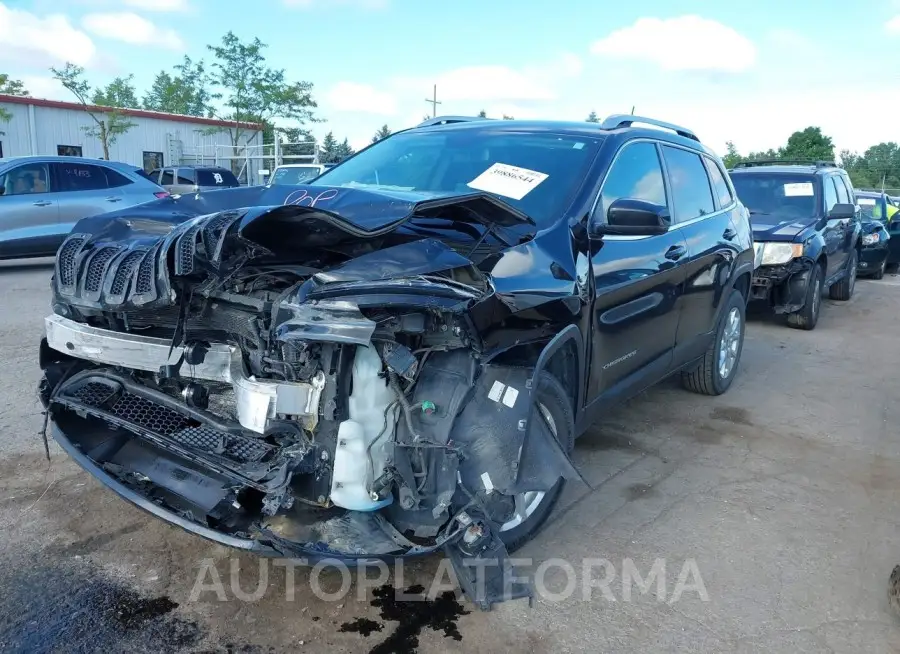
162 194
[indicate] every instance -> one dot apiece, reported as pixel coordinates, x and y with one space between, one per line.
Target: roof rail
626 120
786 162
446 120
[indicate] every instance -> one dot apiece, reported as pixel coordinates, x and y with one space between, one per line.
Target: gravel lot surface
777 502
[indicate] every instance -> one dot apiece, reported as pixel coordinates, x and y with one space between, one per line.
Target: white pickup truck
289 174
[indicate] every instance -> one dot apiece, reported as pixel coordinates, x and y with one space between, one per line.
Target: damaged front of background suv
359 378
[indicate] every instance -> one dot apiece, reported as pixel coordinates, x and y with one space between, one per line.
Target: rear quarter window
222 178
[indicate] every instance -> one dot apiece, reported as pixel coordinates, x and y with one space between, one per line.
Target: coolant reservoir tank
356 465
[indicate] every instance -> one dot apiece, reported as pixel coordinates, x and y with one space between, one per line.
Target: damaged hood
325 215
775 227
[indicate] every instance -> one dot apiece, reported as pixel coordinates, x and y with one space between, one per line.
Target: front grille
187 242
123 274
96 268
109 398
66 260
145 274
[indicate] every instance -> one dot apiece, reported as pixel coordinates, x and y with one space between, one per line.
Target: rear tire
879 274
843 290
553 397
808 316
719 365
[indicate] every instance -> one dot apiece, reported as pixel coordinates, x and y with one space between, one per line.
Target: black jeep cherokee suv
806 233
396 359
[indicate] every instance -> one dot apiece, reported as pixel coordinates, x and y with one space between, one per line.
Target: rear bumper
782 288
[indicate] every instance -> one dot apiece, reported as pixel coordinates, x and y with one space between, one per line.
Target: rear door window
186 176
167 178
691 192
71 177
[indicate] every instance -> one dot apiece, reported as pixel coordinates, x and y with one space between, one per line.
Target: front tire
533 508
808 316
879 274
719 365
843 290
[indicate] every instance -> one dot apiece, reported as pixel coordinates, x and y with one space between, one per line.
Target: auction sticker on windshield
798 189
508 181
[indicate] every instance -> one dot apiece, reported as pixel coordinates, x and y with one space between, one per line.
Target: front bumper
256 402
782 288
871 258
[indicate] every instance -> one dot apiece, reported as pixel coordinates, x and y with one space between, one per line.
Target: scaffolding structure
251 163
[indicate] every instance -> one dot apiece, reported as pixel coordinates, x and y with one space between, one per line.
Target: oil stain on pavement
413 613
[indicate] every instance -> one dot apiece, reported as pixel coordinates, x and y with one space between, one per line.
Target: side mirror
842 210
630 217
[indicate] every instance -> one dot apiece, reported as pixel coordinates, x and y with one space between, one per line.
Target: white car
290 174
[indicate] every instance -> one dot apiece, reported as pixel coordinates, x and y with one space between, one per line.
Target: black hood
779 227
327 215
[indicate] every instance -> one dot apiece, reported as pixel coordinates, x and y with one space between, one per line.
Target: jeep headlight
776 254
871 239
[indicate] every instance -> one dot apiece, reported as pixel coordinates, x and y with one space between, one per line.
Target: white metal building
50 127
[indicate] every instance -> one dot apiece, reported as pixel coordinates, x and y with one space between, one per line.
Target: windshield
295 174
870 208
785 195
536 173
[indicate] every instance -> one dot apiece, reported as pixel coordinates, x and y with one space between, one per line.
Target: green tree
732 156
329 150
109 125
119 93
251 91
10 87
505 117
186 93
382 133
344 150
482 114
592 118
809 143
879 164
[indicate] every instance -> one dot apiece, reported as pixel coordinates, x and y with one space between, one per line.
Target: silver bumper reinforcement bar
256 401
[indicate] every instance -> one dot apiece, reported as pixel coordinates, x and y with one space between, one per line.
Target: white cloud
893 25
131 28
350 96
685 43
158 5
40 41
47 88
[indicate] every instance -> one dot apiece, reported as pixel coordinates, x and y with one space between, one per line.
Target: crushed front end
782 288
325 394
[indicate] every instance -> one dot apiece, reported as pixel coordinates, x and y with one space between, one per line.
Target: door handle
675 252
729 234
113 199
42 203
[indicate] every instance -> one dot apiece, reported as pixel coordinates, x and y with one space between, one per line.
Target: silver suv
41 198
186 179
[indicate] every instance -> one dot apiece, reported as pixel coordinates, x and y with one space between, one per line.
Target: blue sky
751 72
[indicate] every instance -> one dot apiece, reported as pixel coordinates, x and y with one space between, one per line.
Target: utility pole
434 102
